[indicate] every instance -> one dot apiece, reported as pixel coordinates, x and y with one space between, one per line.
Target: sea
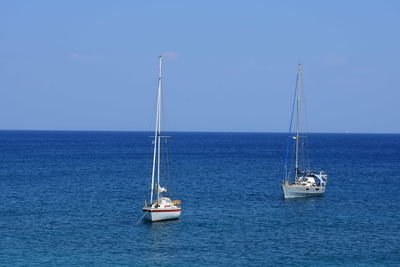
70 198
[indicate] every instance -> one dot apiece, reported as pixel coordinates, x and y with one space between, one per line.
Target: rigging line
148 165
307 154
142 217
303 154
306 128
164 163
168 159
290 130
292 160
308 144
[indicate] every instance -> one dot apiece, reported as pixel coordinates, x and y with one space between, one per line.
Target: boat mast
156 140
296 178
158 133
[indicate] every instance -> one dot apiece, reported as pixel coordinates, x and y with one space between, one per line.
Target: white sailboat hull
156 215
301 191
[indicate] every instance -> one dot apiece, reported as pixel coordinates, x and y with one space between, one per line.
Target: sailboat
305 182
160 207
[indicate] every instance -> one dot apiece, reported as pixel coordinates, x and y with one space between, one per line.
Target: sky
228 65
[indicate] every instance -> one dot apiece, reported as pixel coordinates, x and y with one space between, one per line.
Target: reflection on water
161 224
160 238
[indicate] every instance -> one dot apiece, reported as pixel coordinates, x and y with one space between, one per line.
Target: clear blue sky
229 65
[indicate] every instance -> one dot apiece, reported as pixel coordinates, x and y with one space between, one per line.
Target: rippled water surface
73 198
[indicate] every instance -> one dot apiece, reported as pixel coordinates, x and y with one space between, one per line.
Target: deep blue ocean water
73 198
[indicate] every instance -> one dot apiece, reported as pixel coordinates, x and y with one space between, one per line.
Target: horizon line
180 131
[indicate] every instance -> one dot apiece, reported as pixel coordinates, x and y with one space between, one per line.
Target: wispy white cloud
75 56
170 55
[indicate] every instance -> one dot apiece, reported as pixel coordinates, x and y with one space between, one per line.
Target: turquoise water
73 198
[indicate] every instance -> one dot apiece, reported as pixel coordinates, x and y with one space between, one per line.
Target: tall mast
296 178
159 129
156 139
